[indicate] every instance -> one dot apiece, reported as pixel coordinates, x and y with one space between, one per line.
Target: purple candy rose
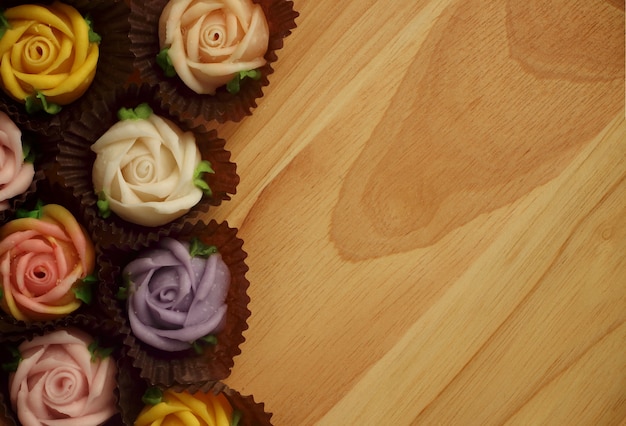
176 296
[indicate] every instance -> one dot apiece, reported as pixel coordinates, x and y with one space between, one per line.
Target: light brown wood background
433 199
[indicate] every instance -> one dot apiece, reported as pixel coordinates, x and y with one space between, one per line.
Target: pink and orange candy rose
42 261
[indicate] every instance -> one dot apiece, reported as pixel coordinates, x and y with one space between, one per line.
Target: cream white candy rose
210 41
145 169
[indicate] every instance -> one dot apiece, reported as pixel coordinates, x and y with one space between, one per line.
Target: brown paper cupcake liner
6 416
188 370
115 64
19 200
104 329
183 102
76 160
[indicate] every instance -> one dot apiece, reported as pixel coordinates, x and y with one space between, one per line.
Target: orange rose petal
41 82
10 83
12 35
38 13
84 246
77 83
7 301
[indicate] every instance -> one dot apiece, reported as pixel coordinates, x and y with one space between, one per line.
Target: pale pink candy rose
210 41
58 382
15 175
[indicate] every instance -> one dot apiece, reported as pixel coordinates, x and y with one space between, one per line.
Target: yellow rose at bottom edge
183 408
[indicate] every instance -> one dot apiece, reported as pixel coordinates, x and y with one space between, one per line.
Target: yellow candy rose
46 53
185 409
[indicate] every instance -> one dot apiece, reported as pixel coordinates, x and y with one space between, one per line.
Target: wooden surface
433 199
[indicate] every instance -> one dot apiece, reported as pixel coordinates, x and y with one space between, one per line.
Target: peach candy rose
210 41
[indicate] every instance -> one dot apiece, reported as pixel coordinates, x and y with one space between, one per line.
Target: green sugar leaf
98 351
32 105
199 345
198 177
1 293
14 359
4 23
104 209
198 249
27 150
253 74
94 37
164 61
84 290
141 112
234 421
152 396
234 85
38 102
126 114
33 214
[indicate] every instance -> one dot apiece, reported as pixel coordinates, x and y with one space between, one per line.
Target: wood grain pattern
433 199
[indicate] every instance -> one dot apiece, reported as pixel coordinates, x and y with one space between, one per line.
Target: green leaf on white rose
152 396
164 61
234 421
4 23
13 360
94 37
198 249
84 290
36 213
98 351
199 345
234 85
104 209
198 177
38 102
140 112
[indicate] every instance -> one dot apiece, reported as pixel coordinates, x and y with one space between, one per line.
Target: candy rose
48 55
184 408
209 42
147 170
43 261
16 175
176 294
63 378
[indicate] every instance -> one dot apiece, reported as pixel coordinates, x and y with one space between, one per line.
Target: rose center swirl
38 54
213 36
39 273
141 170
62 386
